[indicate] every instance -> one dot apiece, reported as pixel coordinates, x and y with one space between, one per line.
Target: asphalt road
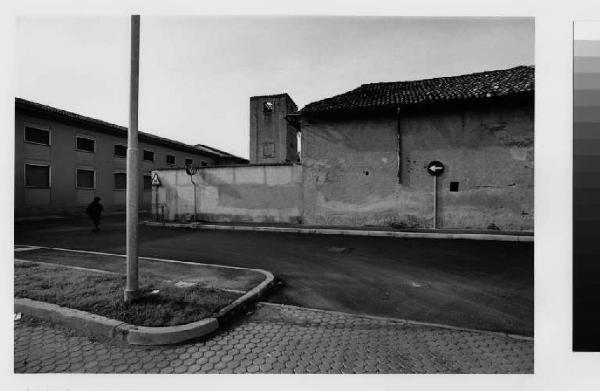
483 285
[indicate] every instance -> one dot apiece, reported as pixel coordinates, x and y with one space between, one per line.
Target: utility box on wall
272 138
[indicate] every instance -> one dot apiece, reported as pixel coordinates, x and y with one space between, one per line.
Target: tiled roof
121 131
219 152
480 85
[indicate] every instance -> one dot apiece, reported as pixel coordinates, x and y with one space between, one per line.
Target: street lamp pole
131 288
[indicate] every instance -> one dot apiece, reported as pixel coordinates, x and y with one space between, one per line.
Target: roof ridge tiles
477 85
439 78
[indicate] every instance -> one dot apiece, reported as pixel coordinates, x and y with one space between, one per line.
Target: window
171 160
203 163
37 136
85 144
120 150
85 178
37 175
148 156
188 162
268 107
268 150
120 181
147 182
453 186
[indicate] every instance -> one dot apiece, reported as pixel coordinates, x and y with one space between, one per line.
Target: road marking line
261 271
69 266
28 248
120 274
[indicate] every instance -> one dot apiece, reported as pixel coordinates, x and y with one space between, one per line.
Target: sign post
435 169
155 185
191 171
131 241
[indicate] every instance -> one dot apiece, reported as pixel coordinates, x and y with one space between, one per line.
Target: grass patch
102 294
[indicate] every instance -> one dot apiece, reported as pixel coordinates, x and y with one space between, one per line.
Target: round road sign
435 168
190 170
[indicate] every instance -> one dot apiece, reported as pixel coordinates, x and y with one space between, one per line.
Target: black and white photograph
274 195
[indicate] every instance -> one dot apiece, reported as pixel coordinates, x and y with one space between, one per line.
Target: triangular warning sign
155 180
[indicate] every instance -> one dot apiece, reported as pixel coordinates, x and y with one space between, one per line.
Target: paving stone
193 368
240 369
167 370
181 369
149 365
207 367
280 339
176 363
135 367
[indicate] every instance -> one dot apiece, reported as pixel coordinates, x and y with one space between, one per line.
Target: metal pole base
130 295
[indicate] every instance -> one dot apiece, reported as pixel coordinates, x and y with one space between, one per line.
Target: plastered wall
63 197
265 193
371 170
354 175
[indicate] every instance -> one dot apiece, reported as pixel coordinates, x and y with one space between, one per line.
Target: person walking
94 210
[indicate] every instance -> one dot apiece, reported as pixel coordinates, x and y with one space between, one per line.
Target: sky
586 30
197 73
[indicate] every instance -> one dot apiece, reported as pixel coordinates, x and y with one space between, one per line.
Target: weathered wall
351 168
265 193
487 150
370 170
272 128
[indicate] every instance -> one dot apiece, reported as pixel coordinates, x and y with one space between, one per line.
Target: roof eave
388 108
106 127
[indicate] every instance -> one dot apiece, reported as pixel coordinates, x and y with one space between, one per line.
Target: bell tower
272 138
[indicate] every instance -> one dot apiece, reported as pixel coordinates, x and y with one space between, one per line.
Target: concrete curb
81 320
141 335
97 325
251 296
336 231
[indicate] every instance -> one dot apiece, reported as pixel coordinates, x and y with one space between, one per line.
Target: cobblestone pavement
280 339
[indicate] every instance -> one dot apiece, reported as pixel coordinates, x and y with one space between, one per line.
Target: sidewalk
275 338
508 236
281 339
